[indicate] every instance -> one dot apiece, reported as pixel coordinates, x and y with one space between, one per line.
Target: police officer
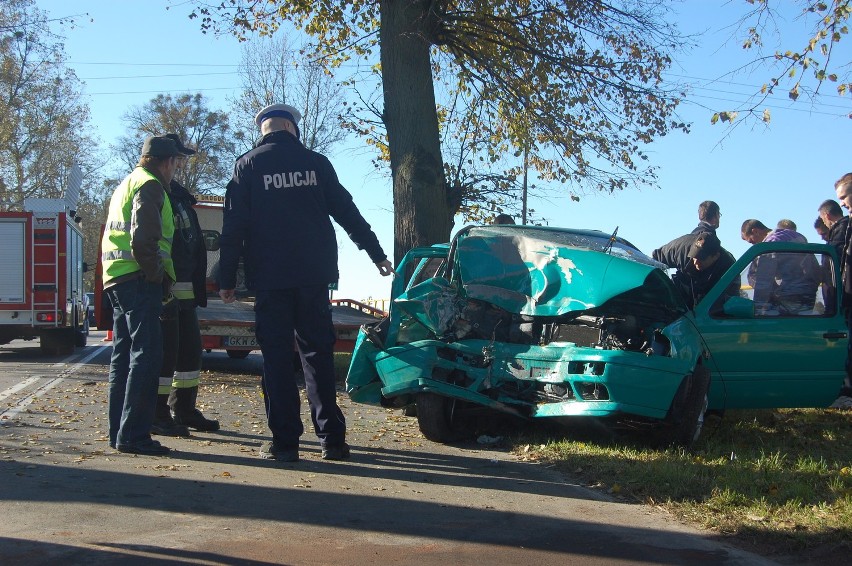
278 208
179 376
138 274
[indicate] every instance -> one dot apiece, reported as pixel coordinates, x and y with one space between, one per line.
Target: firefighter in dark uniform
179 376
278 210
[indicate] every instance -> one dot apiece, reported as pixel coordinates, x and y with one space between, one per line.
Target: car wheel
238 354
436 416
685 420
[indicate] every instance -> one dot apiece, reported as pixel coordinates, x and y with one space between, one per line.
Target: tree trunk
422 215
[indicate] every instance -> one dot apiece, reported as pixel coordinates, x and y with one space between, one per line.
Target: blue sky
128 51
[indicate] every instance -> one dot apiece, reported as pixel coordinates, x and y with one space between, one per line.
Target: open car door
768 351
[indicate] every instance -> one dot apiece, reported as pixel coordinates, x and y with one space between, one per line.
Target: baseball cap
181 148
160 146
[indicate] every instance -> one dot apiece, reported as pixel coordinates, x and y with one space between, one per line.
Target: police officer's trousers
305 313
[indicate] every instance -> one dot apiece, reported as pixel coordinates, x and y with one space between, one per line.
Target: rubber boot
164 424
182 402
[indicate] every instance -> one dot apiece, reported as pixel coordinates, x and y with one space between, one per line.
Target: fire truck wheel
80 338
57 341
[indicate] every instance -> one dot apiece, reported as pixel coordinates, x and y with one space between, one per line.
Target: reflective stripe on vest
183 290
116 255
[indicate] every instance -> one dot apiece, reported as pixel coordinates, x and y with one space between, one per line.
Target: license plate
245 341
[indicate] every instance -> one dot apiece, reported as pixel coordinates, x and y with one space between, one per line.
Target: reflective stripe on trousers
186 379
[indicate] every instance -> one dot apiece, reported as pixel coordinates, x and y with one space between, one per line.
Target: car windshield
551 271
591 240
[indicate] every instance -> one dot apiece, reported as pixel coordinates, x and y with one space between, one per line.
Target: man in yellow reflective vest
138 274
176 400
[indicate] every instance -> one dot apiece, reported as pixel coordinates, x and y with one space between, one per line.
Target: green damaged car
547 322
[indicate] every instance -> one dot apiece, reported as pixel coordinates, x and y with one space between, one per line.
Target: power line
750 87
696 88
154 76
790 108
168 91
126 64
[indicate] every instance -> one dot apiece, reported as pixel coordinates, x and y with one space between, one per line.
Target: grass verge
778 481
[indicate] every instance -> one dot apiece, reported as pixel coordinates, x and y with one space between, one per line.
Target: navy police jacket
278 210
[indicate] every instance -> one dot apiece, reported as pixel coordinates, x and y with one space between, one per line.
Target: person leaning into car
676 253
707 262
280 202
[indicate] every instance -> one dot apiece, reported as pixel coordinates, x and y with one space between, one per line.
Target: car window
784 284
426 268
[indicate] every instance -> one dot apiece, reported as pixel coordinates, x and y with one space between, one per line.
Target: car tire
238 354
685 420
435 416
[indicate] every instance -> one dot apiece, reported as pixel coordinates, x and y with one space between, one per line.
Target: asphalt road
67 498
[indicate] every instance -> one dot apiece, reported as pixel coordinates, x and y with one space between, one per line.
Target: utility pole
524 191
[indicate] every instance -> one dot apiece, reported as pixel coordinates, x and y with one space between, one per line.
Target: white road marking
16 409
15 388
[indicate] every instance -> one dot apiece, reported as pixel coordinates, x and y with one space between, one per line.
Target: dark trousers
137 353
303 313
181 347
846 389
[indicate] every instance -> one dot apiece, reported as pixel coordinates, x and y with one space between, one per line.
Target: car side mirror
211 240
739 307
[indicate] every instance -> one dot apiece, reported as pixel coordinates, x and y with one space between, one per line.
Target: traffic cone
108 336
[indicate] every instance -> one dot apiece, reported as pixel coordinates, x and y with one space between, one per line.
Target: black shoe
150 448
195 420
168 427
335 452
272 451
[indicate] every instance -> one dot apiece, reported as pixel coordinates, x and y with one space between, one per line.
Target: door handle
834 335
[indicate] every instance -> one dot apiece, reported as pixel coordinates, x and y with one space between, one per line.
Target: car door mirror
739 307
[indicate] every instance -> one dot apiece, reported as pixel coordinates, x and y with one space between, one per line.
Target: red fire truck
41 276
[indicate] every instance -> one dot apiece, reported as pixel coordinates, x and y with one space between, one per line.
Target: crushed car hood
538 271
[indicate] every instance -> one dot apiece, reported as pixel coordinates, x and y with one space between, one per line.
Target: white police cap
278 111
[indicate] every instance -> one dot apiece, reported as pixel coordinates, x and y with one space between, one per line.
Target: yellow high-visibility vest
116 255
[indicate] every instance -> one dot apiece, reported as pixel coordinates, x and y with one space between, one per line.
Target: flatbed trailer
227 327
231 327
